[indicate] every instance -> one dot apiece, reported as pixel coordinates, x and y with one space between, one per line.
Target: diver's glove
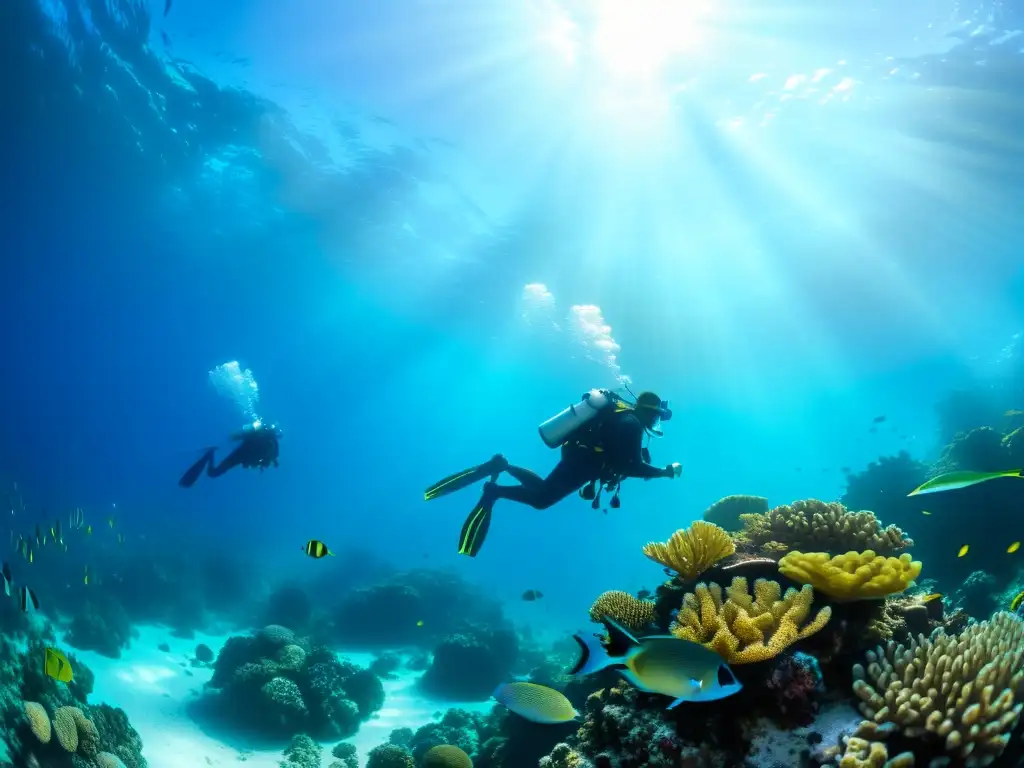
674 470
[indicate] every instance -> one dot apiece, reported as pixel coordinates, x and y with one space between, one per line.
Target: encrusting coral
691 551
957 691
819 526
629 611
744 629
853 576
727 512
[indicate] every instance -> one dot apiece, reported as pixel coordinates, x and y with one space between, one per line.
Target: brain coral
107 760
276 635
629 611
66 726
446 756
38 721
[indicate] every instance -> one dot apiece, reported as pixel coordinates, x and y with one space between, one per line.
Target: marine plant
743 628
691 551
851 576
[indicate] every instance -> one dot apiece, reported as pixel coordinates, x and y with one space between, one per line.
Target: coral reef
101 624
630 612
818 526
301 752
742 628
389 756
853 576
468 666
979 450
882 487
43 722
954 695
691 551
289 606
726 513
274 683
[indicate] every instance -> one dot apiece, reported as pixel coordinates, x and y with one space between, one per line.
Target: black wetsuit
257 448
612 448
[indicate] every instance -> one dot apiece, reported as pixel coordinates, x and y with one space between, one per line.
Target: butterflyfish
1013 548
57 666
964 550
663 664
952 481
27 600
536 703
317 549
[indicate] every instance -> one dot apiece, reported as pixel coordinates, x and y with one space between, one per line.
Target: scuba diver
258 447
602 443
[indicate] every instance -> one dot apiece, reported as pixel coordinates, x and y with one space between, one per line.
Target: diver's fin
189 478
463 479
474 530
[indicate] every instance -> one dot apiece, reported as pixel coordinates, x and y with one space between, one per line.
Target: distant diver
258 447
602 442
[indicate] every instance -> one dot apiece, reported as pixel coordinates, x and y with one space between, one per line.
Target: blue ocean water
428 226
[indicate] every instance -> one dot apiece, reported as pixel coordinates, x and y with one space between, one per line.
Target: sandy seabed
154 687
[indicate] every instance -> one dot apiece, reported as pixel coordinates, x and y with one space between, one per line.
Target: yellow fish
951 481
120 538
88 531
536 703
419 623
31 556
57 666
317 549
87 575
932 596
1013 548
926 512
963 550
1017 600
110 521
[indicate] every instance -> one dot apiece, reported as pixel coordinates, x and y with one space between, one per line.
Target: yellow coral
627 610
66 727
853 576
691 551
38 721
744 629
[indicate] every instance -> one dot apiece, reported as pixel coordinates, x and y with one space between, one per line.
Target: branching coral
819 526
726 512
691 551
853 576
630 612
960 692
743 629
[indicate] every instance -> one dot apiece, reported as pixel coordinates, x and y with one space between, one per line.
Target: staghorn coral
853 576
38 721
818 526
629 611
691 551
743 629
958 692
727 512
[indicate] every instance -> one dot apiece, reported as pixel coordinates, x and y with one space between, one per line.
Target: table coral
742 628
818 526
629 611
691 551
960 692
853 576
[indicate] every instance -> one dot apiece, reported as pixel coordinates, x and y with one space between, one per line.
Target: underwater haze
409 233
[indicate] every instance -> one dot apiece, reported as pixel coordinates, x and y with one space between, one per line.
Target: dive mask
663 413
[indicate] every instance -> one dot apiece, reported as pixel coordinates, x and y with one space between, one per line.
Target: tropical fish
167 7
1013 412
27 600
951 481
86 575
964 550
317 549
926 512
31 556
1013 548
8 581
532 594
40 537
643 594
931 597
878 419
23 547
110 521
88 530
57 533
662 664
120 538
419 623
57 666
536 703
1016 602
76 519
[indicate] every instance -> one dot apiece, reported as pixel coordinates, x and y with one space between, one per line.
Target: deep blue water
811 221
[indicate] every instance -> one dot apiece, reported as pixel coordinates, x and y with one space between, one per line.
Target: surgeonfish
536 703
27 600
663 664
964 550
952 481
57 666
317 549
8 581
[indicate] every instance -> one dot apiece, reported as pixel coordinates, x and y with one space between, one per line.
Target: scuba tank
559 427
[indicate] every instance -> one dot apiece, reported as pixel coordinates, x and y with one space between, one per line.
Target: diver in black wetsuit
258 447
601 441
